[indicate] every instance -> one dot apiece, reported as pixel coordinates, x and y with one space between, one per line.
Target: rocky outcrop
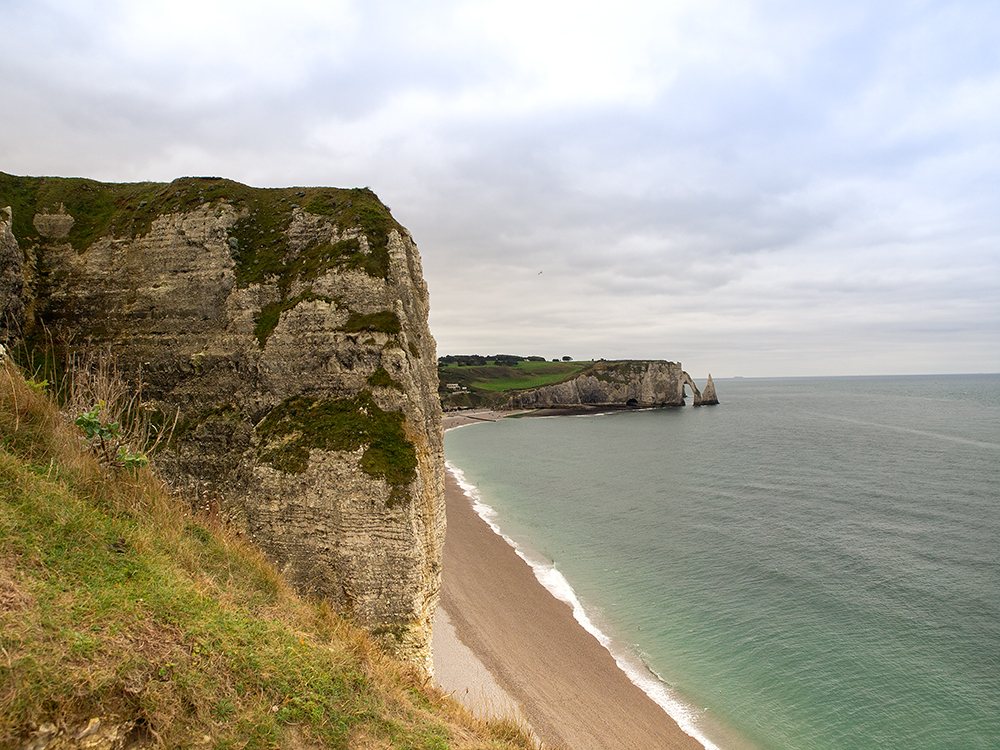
11 282
632 383
287 331
708 396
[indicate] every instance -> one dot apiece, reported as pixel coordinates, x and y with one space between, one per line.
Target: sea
812 564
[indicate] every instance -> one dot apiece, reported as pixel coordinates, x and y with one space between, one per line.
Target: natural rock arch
695 393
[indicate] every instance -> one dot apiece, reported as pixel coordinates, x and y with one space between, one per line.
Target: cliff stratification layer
287 330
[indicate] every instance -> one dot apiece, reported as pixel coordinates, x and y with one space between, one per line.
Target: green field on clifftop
474 381
494 377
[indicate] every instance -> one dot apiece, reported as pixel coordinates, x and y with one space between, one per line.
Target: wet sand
568 687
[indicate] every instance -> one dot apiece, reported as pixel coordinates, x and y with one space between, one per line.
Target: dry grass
116 603
93 379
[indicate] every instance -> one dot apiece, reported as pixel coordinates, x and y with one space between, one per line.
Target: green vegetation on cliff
382 379
267 319
124 616
258 239
301 424
129 209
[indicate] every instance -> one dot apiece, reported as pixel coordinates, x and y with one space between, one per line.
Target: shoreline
462 417
537 656
452 419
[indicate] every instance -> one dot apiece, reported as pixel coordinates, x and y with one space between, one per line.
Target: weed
106 441
93 383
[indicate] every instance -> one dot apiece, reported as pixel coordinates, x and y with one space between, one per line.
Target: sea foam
556 584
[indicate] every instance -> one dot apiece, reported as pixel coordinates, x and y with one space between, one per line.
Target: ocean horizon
811 564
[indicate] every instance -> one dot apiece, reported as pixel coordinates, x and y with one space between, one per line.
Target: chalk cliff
289 329
632 383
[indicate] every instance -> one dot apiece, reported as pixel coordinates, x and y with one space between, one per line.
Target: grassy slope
116 604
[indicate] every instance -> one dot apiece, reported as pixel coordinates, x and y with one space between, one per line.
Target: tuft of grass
117 604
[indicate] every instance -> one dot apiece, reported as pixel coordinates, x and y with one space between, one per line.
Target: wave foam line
557 585
911 431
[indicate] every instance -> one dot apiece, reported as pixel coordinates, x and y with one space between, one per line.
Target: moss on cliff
227 414
101 208
317 258
360 208
384 321
301 424
382 379
90 203
616 372
267 319
258 239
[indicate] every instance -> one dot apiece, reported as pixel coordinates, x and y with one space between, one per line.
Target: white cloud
750 186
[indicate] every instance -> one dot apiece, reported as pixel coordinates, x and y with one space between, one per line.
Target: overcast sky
751 188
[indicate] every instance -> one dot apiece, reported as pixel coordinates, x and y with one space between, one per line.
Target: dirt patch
13 597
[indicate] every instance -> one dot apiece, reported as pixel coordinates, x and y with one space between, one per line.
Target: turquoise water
812 564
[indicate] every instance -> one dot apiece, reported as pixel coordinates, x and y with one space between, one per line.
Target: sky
751 188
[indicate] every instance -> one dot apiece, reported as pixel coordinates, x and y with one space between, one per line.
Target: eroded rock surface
288 327
11 282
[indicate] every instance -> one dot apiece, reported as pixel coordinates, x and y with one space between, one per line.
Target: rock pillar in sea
708 396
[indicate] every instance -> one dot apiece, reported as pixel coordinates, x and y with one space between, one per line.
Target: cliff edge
286 330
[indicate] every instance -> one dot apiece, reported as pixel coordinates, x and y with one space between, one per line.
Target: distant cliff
289 328
631 383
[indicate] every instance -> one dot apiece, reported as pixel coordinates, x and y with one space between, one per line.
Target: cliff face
288 327
629 383
11 282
